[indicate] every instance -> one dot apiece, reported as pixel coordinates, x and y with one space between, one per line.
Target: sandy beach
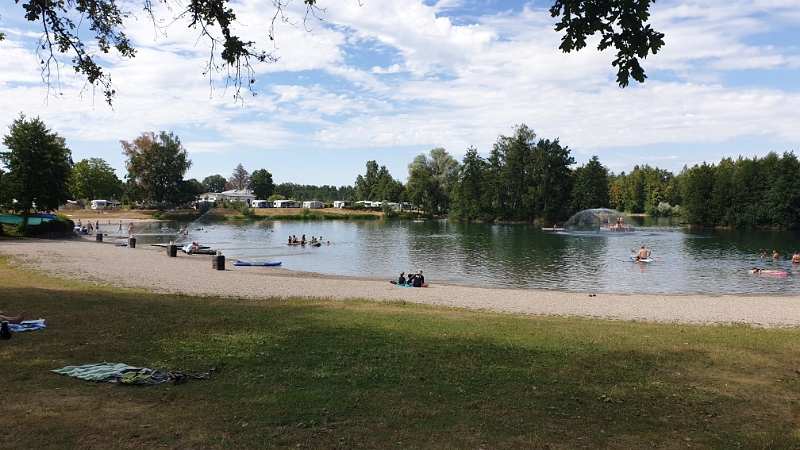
150 268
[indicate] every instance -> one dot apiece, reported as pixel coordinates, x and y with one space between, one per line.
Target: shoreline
149 268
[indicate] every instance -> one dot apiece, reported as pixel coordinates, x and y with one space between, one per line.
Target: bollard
131 242
218 261
172 250
98 237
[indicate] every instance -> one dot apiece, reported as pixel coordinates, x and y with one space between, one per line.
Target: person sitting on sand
419 280
410 279
17 319
401 280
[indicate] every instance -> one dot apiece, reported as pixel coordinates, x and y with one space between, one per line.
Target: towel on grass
96 372
129 375
28 325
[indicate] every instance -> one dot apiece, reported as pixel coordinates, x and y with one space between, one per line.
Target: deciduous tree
214 183
93 179
261 184
156 166
39 165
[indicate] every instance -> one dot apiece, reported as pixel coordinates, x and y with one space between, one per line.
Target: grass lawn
321 374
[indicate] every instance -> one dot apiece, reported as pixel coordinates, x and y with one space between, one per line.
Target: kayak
257 263
637 259
554 229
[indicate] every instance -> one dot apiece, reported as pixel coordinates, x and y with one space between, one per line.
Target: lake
688 261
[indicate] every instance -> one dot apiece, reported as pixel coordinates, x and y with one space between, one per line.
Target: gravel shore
150 268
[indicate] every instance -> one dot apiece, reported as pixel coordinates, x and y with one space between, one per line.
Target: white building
231 196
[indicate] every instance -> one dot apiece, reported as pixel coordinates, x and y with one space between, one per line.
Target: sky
389 80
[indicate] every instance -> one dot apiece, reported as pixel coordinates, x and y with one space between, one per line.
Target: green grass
356 374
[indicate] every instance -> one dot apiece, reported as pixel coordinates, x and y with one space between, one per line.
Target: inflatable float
257 263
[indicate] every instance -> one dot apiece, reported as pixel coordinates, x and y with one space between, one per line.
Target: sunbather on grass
17 319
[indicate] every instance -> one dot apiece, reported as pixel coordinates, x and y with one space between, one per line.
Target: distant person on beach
130 228
191 247
119 231
796 258
17 319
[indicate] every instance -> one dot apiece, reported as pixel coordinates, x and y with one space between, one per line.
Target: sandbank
150 268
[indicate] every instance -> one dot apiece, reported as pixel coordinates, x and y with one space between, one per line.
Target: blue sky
387 81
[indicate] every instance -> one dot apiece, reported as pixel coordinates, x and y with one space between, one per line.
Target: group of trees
522 179
744 193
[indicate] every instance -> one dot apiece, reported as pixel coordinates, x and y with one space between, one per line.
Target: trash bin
131 242
172 250
98 237
218 262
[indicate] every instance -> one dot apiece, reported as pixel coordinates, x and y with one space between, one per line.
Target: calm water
514 256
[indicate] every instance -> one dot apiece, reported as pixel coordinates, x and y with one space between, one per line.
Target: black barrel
131 242
98 237
172 250
218 262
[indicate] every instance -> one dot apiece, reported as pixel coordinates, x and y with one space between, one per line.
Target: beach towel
96 372
129 375
28 325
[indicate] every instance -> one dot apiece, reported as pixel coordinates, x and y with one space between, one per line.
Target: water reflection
522 256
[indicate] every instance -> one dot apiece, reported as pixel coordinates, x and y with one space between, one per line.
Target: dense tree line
524 178
310 192
744 193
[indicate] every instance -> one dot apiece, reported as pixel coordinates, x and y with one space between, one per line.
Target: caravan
100 204
261 204
286 204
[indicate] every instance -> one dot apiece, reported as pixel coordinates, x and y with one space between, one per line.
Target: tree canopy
261 184
93 179
39 165
621 24
239 179
156 165
214 183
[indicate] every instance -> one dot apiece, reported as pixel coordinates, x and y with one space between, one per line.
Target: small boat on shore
554 229
257 263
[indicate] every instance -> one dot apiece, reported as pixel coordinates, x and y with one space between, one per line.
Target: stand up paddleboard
257 263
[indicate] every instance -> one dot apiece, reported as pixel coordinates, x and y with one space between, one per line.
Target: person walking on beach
130 229
119 231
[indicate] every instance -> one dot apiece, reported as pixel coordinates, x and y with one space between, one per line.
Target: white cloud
403 74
